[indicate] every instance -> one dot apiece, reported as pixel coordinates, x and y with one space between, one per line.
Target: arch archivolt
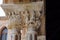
2 28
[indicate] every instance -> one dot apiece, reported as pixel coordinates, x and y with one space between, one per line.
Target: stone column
13 34
31 34
13 25
19 35
9 34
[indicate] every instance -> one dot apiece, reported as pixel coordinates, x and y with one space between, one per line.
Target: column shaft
9 34
31 34
13 35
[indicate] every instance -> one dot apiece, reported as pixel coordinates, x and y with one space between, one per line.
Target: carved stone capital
23 15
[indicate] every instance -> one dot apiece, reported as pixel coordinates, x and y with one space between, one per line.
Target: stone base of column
42 37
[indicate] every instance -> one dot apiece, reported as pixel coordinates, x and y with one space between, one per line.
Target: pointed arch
4 33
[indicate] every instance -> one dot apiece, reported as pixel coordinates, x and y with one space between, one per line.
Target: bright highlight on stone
2 13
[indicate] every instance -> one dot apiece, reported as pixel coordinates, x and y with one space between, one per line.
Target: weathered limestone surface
23 12
23 16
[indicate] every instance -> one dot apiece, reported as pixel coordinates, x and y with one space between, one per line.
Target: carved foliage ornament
27 18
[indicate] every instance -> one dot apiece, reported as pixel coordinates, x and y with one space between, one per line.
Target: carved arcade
23 16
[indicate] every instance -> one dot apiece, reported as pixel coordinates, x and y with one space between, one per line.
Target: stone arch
2 30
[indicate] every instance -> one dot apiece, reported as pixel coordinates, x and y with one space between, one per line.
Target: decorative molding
3 18
29 14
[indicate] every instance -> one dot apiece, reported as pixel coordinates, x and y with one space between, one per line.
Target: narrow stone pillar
19 35
14 31
31 34
9 34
